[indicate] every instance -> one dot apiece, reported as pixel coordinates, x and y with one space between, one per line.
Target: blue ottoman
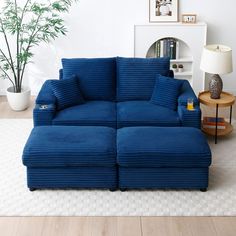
162 157
71 157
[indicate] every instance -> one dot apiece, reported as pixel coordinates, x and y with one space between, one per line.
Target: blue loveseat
116 93
99 127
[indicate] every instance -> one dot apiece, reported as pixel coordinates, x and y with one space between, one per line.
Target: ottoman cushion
162 147
70 146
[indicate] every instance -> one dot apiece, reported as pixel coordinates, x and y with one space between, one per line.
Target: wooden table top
225 100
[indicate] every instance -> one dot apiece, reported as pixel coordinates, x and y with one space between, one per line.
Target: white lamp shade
217 59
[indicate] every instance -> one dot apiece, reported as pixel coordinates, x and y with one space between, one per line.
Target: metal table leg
217 106
230 117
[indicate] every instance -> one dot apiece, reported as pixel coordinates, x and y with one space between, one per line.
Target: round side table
225 100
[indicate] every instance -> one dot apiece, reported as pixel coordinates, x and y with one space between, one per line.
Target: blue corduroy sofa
108 127
116 93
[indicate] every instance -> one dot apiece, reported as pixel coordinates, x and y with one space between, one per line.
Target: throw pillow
166 92
67 92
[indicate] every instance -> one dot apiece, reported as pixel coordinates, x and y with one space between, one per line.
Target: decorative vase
215 86
18 101
181 70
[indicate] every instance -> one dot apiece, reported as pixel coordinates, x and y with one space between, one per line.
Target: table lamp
216 59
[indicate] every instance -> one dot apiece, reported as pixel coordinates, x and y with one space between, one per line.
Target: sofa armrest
45 107
46 95
190 118
187 92
43 114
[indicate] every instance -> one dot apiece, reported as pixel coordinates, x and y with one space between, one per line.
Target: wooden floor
117 226
106 226
7 113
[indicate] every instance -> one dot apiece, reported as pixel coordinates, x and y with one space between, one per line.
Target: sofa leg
32 189
203 189
113 189
123 189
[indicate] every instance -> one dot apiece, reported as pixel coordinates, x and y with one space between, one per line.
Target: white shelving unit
191 38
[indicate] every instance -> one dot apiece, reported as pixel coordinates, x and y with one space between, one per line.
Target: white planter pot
18 101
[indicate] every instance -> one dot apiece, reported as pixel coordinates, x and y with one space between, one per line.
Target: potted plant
21 29
181 68
175 67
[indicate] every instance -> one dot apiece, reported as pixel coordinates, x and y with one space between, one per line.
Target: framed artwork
189 18
163 10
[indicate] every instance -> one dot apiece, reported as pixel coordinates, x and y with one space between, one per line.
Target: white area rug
17 200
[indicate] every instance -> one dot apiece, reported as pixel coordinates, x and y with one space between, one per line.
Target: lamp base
215 86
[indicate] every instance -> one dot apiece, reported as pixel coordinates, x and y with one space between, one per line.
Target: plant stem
4 55
18 87
21 21
34 33
9 51
5 73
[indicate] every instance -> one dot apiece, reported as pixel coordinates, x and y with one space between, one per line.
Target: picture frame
163 10
189 18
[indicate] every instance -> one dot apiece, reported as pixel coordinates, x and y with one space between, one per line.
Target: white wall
106 28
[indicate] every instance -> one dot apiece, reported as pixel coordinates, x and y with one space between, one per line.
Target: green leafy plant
24 27
174 66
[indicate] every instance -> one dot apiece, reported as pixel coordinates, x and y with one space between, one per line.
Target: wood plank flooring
117 226
110 226
7 113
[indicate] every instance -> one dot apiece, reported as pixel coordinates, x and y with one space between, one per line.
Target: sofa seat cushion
144 113
66 146
162 147
94 113
97 76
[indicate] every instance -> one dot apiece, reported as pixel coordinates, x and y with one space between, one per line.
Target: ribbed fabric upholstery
61 74
136 77
173 178
46 95
187 92
190 118
95 113
43 116
97 76
60 146
170 74
67 92
144 113
162 147
72 177
166 92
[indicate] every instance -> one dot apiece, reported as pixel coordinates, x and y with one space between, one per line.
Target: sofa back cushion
136 77
97 76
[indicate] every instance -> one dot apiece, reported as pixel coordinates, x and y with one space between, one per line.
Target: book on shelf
213 126
210 122
167 47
